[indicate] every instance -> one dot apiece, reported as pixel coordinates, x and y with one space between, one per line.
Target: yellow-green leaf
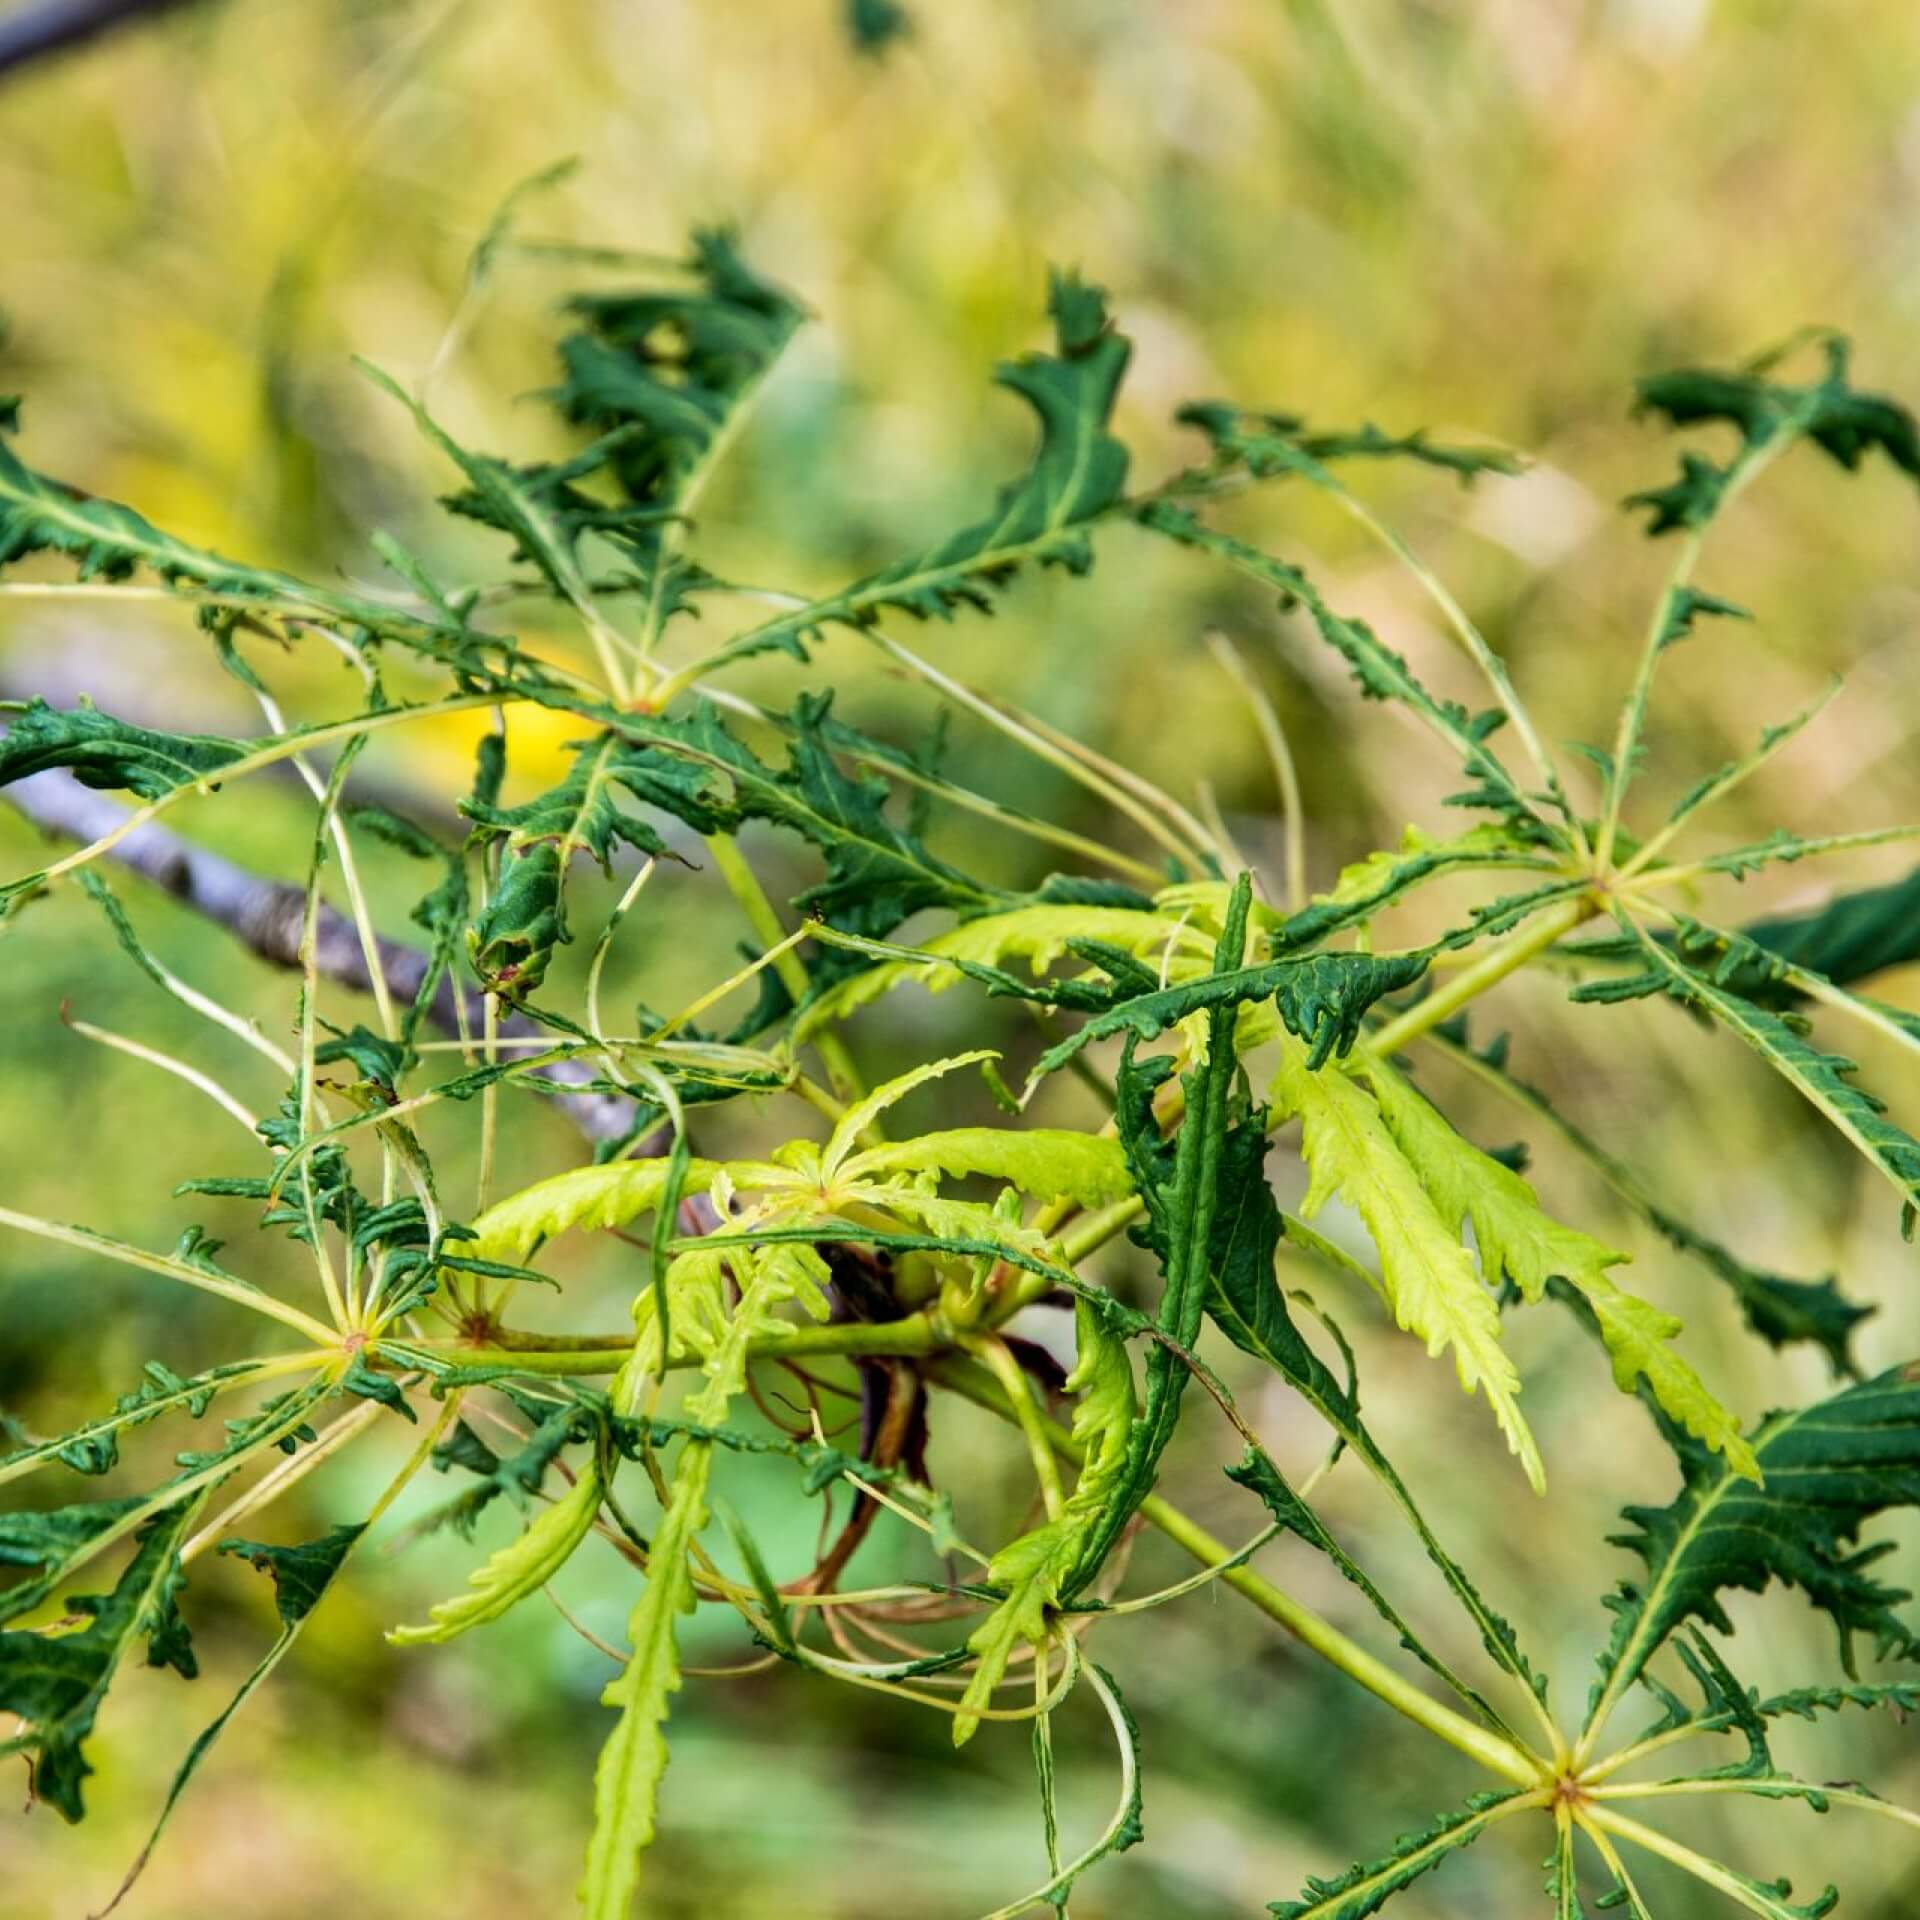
1430 1281
626 1782
1033 1567
1517 1236
1513 1231
517 1570
605 1196
1638 1337
1049 1163
863 1113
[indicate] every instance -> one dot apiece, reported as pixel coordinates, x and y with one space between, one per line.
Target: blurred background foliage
1487 217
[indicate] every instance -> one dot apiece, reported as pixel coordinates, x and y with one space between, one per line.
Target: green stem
1322 1637
1019 1391
744 885
1488 971
1670 1850
918 1334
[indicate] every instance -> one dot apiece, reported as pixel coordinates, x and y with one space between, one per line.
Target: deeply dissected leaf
56 1681
1381 673
1271 445
1258 1473
859 1119
660 377
1843 422
1779 1309
1181 1186
111 542
602 1196
1247 1304
1322 997
525 917
1429 1278
1047 1162
878 872
94 1447
1371 885
1364 1889
626 1784
48 1542
1040 935
521 1568
1821 1077
301 1575
1045 516
106 754
1853 935
1829 1468
627 1779
1034 1570
1517 1238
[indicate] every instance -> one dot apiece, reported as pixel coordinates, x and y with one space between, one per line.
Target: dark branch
53 26
265 915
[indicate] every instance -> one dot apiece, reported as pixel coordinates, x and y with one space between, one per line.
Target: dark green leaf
105 753
1366 1888
1829 1469
57 1681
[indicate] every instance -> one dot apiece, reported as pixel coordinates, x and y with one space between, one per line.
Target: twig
264 915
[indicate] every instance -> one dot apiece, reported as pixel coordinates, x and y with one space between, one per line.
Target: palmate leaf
1428 1276
56 1681
1077 477
835 1190
1517 1238
1364 1889
1829 1468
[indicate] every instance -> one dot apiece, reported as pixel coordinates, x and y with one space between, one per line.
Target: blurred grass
1487 218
